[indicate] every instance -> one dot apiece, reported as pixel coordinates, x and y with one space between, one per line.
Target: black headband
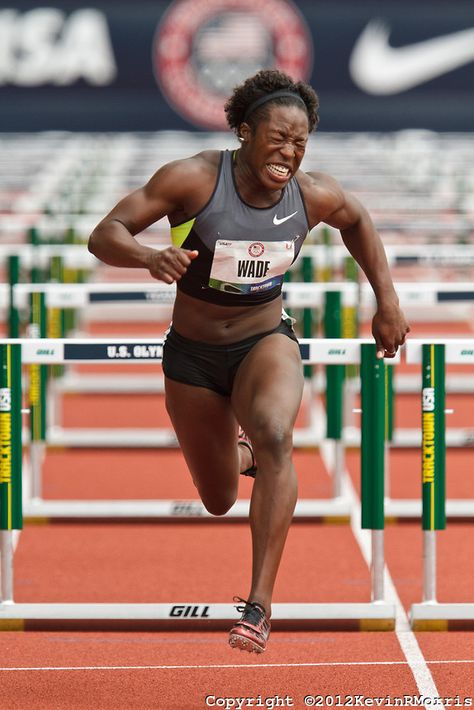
270 97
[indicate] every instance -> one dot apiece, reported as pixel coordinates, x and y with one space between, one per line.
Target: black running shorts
208 365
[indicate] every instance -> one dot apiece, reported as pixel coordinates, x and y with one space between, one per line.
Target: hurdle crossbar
49 511
377 614
431 293
398 254
79 295
294 294
73 255
54 351
362 616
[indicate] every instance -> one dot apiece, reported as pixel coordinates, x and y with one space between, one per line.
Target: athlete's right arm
112 241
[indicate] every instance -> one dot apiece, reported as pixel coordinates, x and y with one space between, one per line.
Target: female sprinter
238 220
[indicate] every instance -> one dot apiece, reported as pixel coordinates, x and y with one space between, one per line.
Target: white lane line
406 638
227 666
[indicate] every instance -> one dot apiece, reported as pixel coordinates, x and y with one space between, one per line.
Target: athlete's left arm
342 210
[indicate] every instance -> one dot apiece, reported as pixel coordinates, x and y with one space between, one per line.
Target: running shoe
245 441
252 631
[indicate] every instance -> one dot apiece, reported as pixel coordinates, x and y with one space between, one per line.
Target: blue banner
152 65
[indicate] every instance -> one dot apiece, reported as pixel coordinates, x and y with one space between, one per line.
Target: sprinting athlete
238 220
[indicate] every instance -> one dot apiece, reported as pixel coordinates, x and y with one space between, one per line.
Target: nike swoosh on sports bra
244 251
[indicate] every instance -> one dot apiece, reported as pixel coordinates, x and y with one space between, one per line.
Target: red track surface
167 562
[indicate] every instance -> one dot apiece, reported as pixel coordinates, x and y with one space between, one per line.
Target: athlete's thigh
269 383
206 429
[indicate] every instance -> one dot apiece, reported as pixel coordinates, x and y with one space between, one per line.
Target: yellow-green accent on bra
180 232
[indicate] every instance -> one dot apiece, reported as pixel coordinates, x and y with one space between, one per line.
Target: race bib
249 267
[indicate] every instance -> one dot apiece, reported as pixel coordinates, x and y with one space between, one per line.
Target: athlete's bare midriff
221 325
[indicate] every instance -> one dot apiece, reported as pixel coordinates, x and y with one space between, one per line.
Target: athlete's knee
218 500
274 436
219 506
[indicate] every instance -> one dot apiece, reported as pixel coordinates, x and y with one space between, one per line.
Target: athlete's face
277 145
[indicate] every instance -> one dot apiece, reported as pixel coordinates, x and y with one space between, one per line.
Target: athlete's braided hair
265 82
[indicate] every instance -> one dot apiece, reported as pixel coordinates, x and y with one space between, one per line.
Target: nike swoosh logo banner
277 221
380 69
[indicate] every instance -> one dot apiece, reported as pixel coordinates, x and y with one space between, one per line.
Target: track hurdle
80 295
334 296
71 261
329 261
433 355
378 614
429 296
335 508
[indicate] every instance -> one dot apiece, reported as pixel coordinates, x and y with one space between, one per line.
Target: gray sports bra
244 251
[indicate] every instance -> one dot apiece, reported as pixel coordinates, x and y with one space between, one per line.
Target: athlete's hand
389 329
170 264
